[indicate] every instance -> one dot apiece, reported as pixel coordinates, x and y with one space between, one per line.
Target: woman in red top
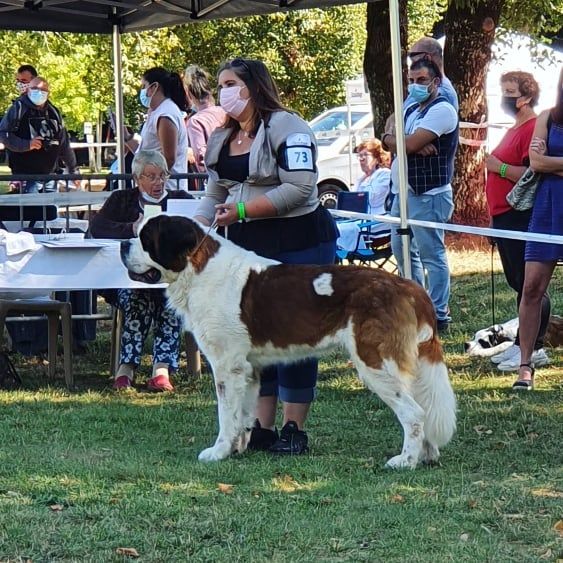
505 165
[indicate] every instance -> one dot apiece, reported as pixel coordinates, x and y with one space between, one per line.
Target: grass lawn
85 474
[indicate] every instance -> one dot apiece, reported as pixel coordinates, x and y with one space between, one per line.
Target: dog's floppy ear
169 240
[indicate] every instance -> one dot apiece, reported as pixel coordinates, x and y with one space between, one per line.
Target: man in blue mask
34 134
431 136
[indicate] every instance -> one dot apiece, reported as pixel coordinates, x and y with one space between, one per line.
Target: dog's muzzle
152 275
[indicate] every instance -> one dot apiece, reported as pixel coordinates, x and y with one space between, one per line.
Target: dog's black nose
124 249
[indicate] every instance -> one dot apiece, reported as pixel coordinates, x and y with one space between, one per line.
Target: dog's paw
401 462
430 454
213 454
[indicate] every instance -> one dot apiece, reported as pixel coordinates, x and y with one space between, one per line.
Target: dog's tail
433 392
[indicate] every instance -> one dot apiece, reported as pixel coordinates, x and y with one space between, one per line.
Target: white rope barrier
481 231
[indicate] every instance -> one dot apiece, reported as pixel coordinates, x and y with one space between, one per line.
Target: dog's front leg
231 385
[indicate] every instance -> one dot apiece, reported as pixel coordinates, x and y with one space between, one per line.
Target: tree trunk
377 60
470 32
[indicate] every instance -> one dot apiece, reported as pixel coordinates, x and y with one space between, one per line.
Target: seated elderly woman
120 218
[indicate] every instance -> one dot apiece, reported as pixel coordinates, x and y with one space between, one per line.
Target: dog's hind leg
231 384
393 388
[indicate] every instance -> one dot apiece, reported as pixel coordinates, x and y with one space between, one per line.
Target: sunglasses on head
417 54
241 63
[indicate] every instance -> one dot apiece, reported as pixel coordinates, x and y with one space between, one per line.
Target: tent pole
118 95
400 130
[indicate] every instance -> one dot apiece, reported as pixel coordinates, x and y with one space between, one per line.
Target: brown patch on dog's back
386 311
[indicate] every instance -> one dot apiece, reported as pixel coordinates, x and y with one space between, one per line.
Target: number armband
297 153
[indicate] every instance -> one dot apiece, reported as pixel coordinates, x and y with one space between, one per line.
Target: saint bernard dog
247 312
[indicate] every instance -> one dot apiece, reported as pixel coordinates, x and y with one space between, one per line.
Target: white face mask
231 102
149 199
37 97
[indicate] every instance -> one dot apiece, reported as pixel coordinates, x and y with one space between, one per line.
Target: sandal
122 383
159 384
525 384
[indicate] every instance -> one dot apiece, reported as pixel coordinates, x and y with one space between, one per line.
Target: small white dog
492 340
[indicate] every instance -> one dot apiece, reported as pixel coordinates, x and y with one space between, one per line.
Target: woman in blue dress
546 157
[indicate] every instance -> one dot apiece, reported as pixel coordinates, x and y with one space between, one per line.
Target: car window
336 122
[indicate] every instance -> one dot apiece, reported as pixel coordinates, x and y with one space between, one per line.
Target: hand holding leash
226 214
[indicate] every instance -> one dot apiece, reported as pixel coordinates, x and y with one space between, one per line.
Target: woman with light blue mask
162 93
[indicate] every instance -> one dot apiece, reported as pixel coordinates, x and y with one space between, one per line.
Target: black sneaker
292 441
443 326
262 438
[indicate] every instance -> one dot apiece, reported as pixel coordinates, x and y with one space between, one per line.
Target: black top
233 167
115 219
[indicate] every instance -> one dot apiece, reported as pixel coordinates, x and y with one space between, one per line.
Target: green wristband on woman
241 211
502 171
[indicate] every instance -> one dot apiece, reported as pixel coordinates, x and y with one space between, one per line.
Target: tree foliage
310 53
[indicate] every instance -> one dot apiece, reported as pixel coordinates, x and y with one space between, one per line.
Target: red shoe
159 384
122 383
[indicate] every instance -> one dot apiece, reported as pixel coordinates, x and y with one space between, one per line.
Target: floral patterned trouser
141 308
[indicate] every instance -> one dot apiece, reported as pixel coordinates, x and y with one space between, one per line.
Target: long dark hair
171 85
263 90
557 110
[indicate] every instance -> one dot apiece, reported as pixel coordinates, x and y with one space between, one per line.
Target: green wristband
502 171
241 211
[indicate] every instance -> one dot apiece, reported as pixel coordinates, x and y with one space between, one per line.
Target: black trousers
512 257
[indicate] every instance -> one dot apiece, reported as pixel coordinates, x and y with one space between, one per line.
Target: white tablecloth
66 268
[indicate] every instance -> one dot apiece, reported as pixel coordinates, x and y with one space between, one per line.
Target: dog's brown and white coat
247 312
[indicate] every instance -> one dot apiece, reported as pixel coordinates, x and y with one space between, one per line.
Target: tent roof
99 16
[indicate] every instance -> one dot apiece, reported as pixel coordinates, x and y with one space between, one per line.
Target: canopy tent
100 16
119 16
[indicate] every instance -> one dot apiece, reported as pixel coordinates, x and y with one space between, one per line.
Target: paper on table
183 207
74 243
150 210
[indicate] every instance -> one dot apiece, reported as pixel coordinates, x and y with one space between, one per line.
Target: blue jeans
428 251
295 383
35 186
141 308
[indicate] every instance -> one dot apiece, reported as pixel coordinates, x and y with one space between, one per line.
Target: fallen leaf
480 429
514 516
472 503
547 554
287 484
398 499
127 551
532 436
464 537
225 488
56 507
559 527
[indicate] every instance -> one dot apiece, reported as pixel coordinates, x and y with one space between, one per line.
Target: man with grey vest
431 136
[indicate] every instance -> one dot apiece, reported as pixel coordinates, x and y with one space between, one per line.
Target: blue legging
141 309
295 383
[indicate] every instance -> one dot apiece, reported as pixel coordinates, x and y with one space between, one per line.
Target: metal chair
53 310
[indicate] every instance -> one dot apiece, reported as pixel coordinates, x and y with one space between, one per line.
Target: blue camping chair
373 244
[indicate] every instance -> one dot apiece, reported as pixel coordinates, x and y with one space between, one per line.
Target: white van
333 159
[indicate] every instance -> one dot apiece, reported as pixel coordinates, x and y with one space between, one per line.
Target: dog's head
164 248
489 341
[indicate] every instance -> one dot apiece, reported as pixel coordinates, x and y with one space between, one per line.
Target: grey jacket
282 166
